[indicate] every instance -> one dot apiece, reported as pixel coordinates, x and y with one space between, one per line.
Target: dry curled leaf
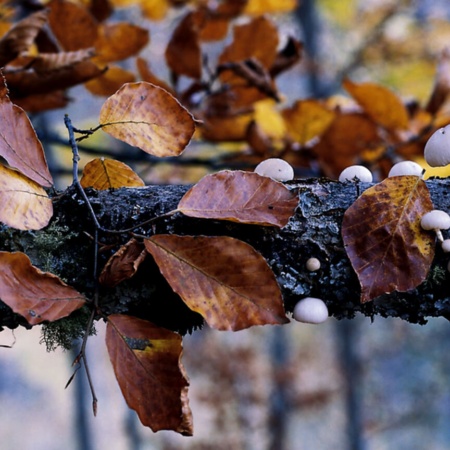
38 296
147 364
123 264
384 240
224 279
238 196
101 174
148 117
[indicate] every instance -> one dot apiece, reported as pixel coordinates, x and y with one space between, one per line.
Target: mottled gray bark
66 248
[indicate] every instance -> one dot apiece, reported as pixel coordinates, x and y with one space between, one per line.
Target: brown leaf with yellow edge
109 82
380 103
148 117
123 264
102 174
307 119
147 363
384 240
119 41
23 203
72 24
224 279
238 196
38 296
22 150
21 36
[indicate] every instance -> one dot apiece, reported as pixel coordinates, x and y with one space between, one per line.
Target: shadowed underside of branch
66 248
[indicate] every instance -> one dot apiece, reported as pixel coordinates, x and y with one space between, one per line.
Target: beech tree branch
66 248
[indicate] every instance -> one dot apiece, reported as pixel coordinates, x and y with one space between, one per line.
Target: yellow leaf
23 203
110 81
148 117
269 119
104 174
269 6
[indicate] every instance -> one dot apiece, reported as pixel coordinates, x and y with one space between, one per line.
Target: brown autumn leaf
223 128
224 279
43 102
384 240
381 104
441 86
123 264
307 119
22 150
102 174
147 364
183 53
23 203
238 196
148 117
147 75
109 82
345 139
288 56
256 40
73 25
21 36
119 41
38 296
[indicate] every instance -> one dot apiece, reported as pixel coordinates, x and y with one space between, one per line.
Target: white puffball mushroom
437 148
446 245
275 168
406 168
313 264
350 173
436 220
311 310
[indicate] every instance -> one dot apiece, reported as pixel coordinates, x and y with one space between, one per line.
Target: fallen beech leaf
23 150
23 203
123 264
147 364
238 196
110 81
102 174
38 296
148 117
20 38
73 25
381 104
384 240
183 54
224 279
119 41
307 119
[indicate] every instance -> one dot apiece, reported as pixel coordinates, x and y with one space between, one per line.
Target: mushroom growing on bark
437 148
311 310
436 220
360 172
406 168
275 168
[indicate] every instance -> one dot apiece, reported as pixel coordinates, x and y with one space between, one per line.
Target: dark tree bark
66 248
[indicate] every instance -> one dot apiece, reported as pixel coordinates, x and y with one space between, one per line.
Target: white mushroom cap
436 220
275 168
437 148
313 264
362 173
406 168
311 310
446 245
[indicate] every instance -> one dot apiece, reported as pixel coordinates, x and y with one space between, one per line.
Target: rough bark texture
65 248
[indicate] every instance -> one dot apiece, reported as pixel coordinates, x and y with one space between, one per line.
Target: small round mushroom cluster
437 220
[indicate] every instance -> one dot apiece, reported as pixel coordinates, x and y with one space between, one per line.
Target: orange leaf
37 296
148 117
244 197
23 203
224 279
183 54
148 76
307 119
269 6
73 25
20 38
381 104
120 41
102 174
147 364
383 237
123 264
22 150
110 81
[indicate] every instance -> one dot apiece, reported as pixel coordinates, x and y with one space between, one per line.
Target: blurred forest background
358 385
